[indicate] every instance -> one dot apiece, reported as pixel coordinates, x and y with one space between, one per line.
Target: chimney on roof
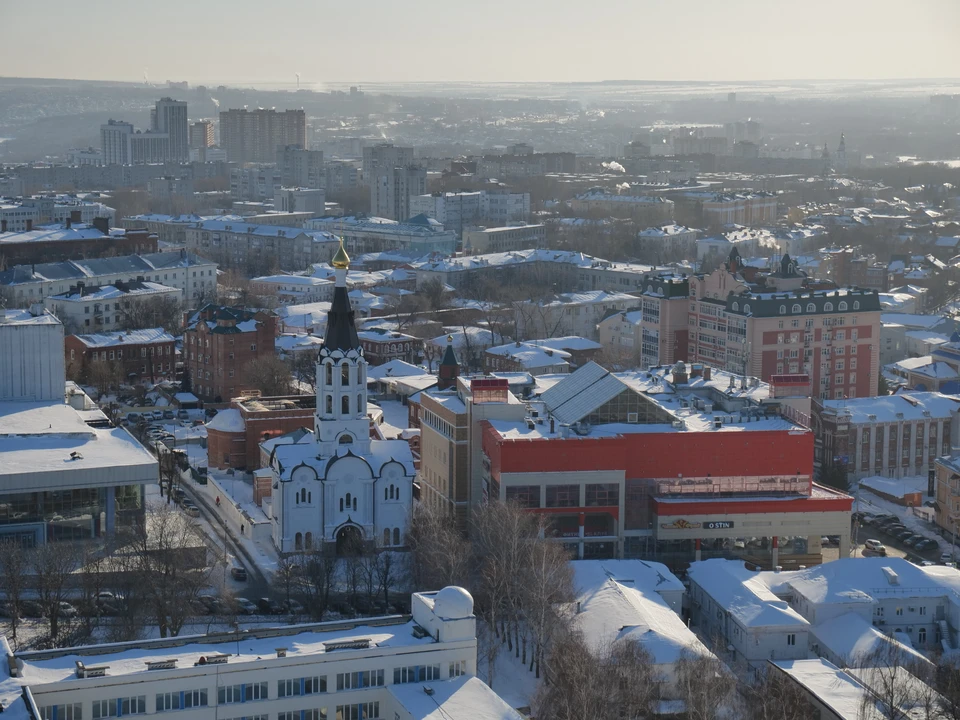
29 224
102 224
706 372
3 226
76 216
680 374
696 370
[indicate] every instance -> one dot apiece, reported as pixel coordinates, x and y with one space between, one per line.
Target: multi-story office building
218 344
300 167
293 198
202 134
654 330
255 183
169 116
391 188
385 156
115 142
255 135
891 436
460 210
504 239
166 141
193 276
377 234
233 243
406 667
758 208
67 473
341 175
833 336
52 209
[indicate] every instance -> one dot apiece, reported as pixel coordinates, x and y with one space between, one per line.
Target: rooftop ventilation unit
161 664
361 644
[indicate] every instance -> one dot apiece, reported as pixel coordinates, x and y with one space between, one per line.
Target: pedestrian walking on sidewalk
241 528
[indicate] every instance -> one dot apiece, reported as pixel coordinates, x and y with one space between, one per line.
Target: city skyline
742 39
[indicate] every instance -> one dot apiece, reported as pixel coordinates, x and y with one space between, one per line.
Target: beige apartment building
654 331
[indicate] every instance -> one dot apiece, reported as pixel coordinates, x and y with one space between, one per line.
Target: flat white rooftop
300 641
38 438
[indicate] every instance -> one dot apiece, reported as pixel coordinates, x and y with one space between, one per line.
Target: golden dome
341 261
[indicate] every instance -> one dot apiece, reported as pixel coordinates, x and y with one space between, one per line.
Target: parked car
31 609
903 535
238 573
875 546
157 414
133 417
269 607
293 607
926 544
193 511
183 415
169 415
946 557
245 607
913 540
67 610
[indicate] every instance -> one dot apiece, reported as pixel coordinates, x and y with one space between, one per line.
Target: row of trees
154 571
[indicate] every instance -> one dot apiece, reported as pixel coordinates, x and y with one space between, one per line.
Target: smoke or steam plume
614 166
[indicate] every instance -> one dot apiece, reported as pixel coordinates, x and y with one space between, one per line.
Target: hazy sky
258 41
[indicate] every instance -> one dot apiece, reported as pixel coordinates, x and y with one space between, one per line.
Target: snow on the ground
897 487
512 680
869 503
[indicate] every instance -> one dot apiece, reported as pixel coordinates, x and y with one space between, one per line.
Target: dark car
913 540
904 534
925 545
266 606
238 573
893 529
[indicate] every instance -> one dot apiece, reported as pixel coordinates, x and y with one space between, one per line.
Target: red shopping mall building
667 464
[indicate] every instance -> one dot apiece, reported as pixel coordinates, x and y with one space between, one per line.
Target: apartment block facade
256 135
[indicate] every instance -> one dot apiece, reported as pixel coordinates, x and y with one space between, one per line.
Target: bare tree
269 374
104 375
318 575
13 570
161 311
53 564
288 570
439 555
773 696
172 559
303 367
387 573
704 685
891 677
609 684
948 685
548 586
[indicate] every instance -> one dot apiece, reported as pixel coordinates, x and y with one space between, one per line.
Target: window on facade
811 307
559 496
526 496
71 711
386 536
329 405
329 374
458 668
791 639
856 304
783 309
345 374
746 308
415 673
796 308
360 711
345 405
396 536
602 494
362 679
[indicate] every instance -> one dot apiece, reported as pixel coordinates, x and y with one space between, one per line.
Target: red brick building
380 346
141 354
58 243
235 434
218 344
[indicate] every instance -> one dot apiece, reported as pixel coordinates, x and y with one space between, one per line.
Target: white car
946 557
875 546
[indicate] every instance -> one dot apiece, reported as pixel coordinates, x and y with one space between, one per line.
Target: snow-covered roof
935 370
896 487
112 292
851 637
394 368
918 322
611 609
126 337
463 698
890 408
228 420
835 689
862 580
741 593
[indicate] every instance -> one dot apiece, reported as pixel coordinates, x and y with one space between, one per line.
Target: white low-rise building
98 308
373 668
737 607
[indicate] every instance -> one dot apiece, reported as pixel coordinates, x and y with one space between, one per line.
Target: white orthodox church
336 485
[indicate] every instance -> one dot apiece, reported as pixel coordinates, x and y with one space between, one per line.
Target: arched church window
329 374
354 502
345 404
796 309
329 405
842 306
346 439
308 541
348 500
396 536
360 407
298 542
385 493
386 536
345 374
